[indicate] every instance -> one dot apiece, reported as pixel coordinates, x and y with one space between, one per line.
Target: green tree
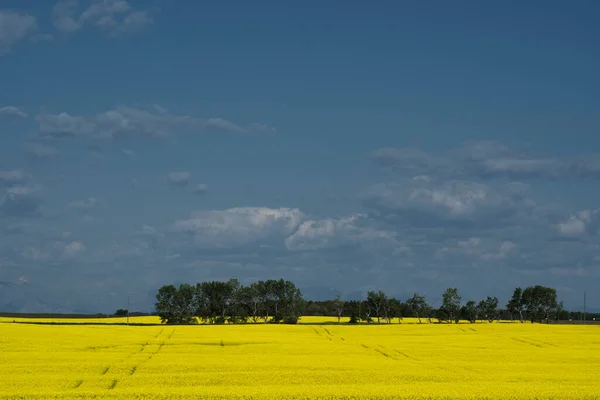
176 305
451 305
338 305
469 311
540 302
396 309
488 308
377 303
418 306
515 304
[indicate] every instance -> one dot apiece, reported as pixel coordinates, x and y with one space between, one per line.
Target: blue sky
344 146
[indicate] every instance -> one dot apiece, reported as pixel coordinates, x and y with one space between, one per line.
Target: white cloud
421 202
13 111
200 188
580 223
13 177
471 242
573 226
73 248
327 233
21 200
506 248
112 16
41 151
487 159
83 205
282 228
239 226
179 178
14 27
126 121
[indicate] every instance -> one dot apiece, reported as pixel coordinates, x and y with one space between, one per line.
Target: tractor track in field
107 370
524 341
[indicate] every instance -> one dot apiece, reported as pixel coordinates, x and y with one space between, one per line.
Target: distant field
156 320
410 361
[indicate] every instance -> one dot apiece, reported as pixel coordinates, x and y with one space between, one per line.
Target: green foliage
540 303
488 308
450 305
418 306
469 311
377 304
219 302
515 304
175 305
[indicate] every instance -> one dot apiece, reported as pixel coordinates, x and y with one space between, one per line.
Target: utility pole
128 310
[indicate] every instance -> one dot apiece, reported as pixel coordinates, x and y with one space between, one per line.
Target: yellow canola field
149 320
110 320
410 361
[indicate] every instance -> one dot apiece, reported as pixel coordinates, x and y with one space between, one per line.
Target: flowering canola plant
325 361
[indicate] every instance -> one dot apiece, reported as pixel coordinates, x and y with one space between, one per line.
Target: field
397 361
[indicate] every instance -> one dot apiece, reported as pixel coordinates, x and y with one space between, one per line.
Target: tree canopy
280 301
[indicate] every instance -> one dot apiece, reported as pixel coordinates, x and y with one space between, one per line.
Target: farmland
403 361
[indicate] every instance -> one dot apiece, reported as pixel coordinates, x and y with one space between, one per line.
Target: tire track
527 342
135 367
108 370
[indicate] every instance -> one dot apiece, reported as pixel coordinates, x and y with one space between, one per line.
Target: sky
346 146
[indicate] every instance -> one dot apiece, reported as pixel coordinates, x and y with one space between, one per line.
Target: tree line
280 301
216 302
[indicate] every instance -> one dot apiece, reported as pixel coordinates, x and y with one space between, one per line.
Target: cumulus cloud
583 222
423 203
14 27
200 188
281 229
39 150
487 159
328 233
21 200
475 250
239 226
179 178
83 205
73 248
13 177
126 121
112 16
12 110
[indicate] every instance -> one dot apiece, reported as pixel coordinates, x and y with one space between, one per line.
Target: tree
560 308
515 304
469 311
418 306
353 309
488 308
396 309
264 292
121 312
176 305
377 303
540 302
249 301
338 305
215 301
291 302
451 304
